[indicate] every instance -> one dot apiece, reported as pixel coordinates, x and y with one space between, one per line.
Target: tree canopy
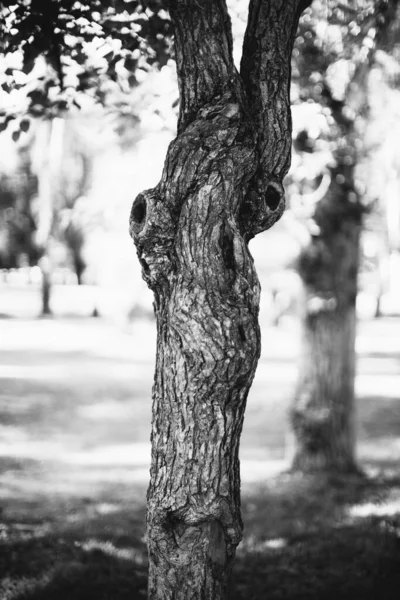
59 53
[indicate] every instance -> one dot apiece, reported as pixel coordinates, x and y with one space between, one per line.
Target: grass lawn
74 455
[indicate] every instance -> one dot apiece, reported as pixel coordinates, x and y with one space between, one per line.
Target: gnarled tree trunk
323 411
221 184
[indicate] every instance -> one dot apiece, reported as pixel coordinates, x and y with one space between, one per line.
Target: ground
74 454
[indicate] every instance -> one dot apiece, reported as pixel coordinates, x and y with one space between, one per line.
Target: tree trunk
46 291
323 411
221 184
323 416
79 266
206 304
207 352
49 144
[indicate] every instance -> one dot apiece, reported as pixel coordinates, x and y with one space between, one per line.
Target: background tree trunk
323 410
79 265
46 285
50 137
221 184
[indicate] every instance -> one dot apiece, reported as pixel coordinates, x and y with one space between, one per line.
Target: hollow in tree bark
221 184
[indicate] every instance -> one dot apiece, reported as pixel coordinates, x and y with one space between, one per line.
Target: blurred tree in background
43 199
382 164
17 224
71 226
333 57
61 57
63 164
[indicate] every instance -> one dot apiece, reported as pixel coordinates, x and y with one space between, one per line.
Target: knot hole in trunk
138 214
273 196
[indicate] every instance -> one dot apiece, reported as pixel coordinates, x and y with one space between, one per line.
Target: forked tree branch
265 71
188 234
203 46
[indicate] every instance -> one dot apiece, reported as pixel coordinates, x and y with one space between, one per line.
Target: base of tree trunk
45 287
323 411
317 464
46 310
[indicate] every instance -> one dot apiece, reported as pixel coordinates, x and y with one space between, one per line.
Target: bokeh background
77 342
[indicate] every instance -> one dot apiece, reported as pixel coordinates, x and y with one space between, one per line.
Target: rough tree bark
221 184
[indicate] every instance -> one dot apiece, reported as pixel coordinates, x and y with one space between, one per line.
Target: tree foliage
58 53
333 54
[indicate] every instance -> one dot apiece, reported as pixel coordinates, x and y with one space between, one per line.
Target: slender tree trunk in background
46 287
79 266
221 184
323 410
49 147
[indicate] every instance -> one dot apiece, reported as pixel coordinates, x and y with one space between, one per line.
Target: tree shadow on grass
326 538
378 417
305 538
358 562
76 572
76 556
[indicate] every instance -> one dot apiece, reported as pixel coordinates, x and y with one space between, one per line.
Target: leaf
109 56
28 65
37 97
24 125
